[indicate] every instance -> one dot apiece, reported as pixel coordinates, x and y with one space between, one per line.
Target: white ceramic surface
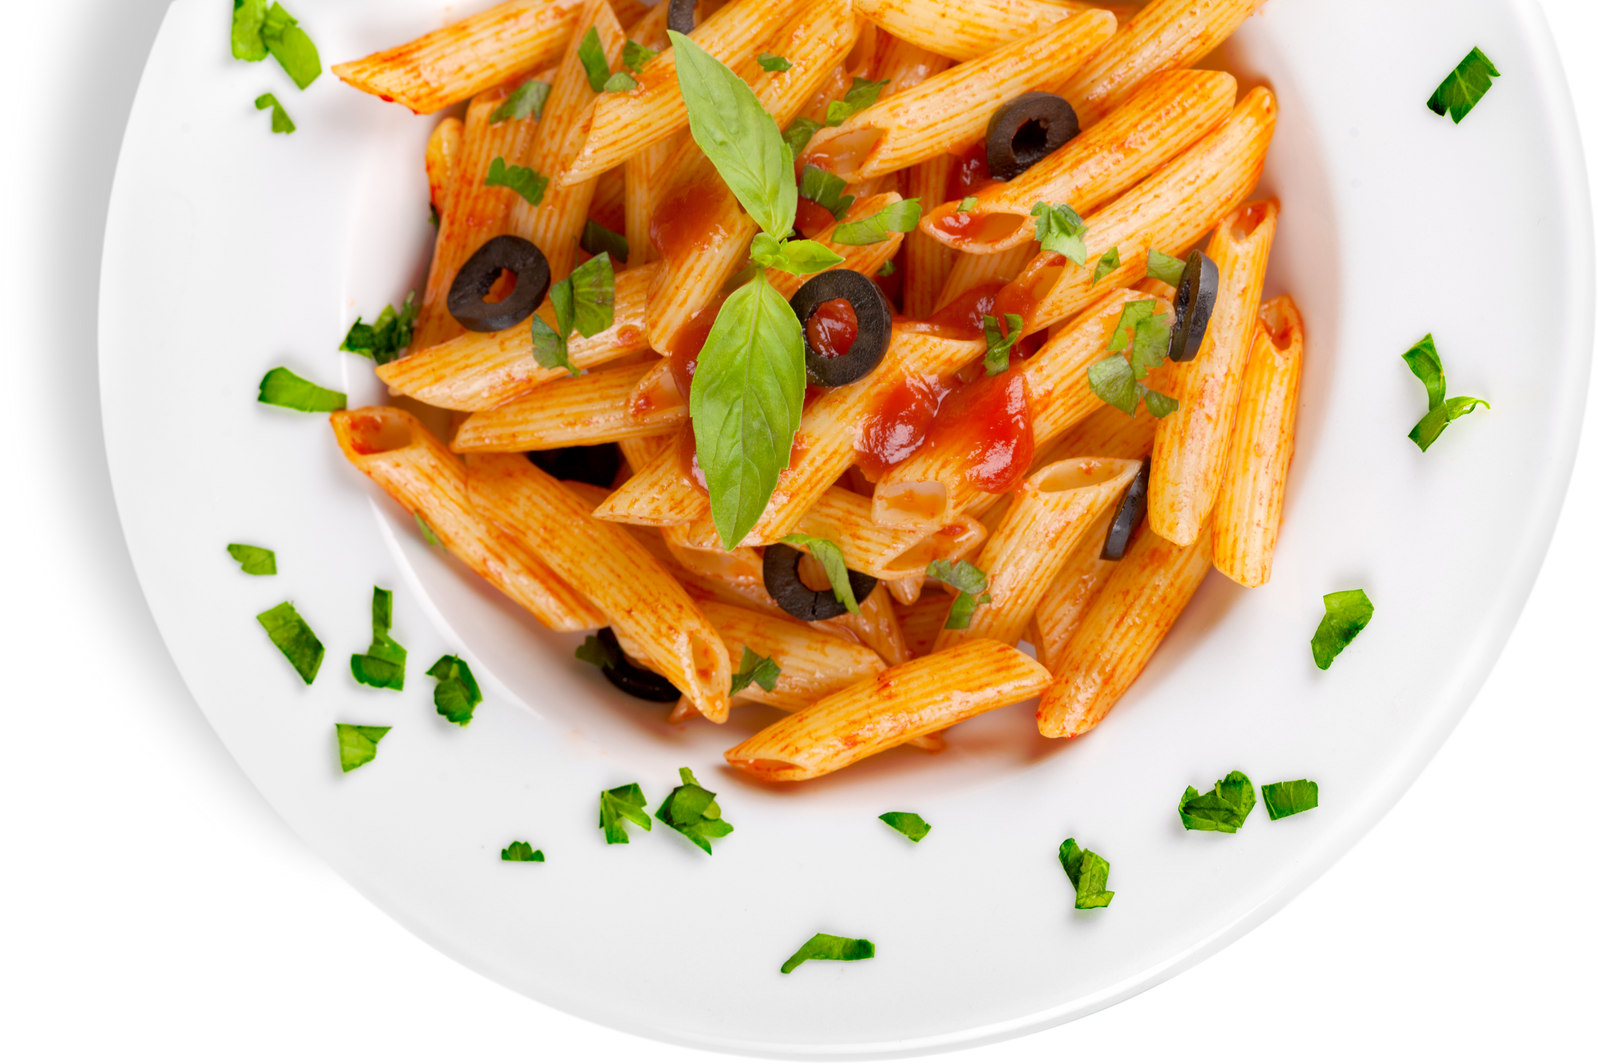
230 251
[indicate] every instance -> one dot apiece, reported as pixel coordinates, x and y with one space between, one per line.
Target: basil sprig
585 301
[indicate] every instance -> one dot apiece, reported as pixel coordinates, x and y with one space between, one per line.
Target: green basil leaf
997 360
798 134
282 387
248 17
1088 873
635 55
1109 262
427 532
1062 231
772 64
290 46
1347 614
1290 797
621 81
255 561
692 811
746 402
1163 267
900 217
1223 809
737 135
971 585
888 269
862 94
1427 365
909 825
832 562
521 851
457 695
384 339
600 655
357 744
757 670
830 948
593 295
281 122
549 348
383 665
824 189
619 805
968 203
1151 342
1464 87
1113 381
1437 419
528 99
798 257
596 239
1133 314
527 183
1159 404
591 54
291 635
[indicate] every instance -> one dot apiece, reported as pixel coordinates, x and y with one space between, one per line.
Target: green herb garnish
1427 365
528 99
969 203
909 825
825 189
757 670
1293 796
290 46
830 948
385 338
900 217
1222 809
1109 262
1463 89
383 665
526 182
1146 338
281 122
997 360
772 64
600 655
290 634
282 387
255 561
888 269
427 531
457 695
618 805
1088 873
1347 614
1061 230
597 240
357 744
799 132
692 810
522 851
635 55
621 81
830 555
798 257
971 584
248 15
1163 267
862 94
585 301
591 54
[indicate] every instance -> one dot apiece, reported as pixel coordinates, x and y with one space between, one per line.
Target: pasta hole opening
1247 220
769 767
845 153
504 284
812 575
1280 325
1081 473
918 501
378 433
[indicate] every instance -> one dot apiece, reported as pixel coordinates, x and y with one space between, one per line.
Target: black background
122 802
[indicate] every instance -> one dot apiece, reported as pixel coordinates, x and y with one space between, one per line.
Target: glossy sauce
688 341
898 427
811 218
832 328
688 462
1015 298
970 174
687 219
962 318
990 423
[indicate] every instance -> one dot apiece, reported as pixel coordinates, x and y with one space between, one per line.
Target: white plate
230 251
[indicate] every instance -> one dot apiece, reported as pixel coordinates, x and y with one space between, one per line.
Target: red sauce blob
970 174
686 219
990 421
1015 298
898 427
832 328
811 218
962 318
687 342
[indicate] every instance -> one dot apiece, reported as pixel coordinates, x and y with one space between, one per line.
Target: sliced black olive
632 680
468 294
680 16
1134 507
597 465
781 572
1026 129
873 324
1195 302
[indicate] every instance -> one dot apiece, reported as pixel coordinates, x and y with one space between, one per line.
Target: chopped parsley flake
357 744
900 217
385 338
281 122
754 669
635 55
283 387
971 584
1222 809
1464 87
1088 873
1146 339
909 825
290 634
591 54
1427 365
1109 262
1290 797
527 183
692 811
618 805
457 695
290 46
1347 614
830 948
825 189
528 99
255 561
773 64
1061 230
997 360
830 555
383 664
521 851
596 240
1163 267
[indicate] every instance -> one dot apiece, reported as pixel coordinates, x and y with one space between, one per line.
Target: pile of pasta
1166 161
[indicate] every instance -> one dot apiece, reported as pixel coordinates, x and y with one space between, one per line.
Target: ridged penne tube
907 590
641 182
659 492
861 258
557 221
443 156
1105 433
462 59
909 700
923 619
620 123
966 29
609 205
1166 115
1191 445
1069 595
971 271
952 109
419 473
693 272
1169 211
1164 35
639 451
814 664
1121 631
936 484
1052 511
926 261
877 626
740 568
1248 513
478 371
571 412
613 571
886 553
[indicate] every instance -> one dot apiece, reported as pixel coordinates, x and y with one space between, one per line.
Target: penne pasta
418 472
952 109
698 258
478 371
966 29
814 664
1121 631
659 492
443 156
888 554
640 177
972 271
877 626
910 700
637 595
861 258
923 619
1107 433
927 262
1191 445
1051 513
1066 599
465 58
1165 117
574 411
1248 512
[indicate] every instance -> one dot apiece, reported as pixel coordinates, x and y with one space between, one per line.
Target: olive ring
873 318
632 680
780 570
468 294
1025 130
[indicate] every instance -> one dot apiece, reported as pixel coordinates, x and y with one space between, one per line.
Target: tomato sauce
832 328
970 174
688 341
962 318
688 462
811 218
898 427
1015 298
688 218
990 422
